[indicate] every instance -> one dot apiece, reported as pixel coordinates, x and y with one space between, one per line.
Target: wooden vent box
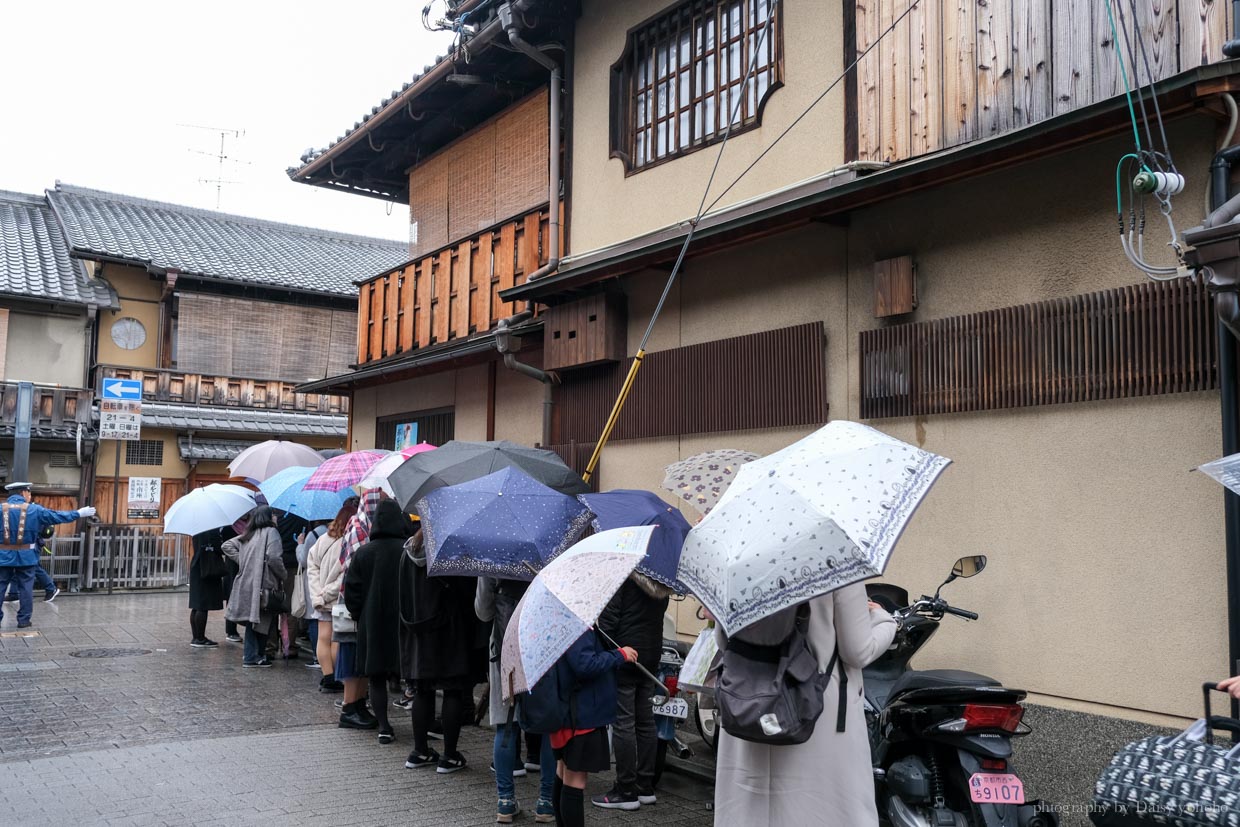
895 286
586 332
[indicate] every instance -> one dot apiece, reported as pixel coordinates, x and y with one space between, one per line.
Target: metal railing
134 557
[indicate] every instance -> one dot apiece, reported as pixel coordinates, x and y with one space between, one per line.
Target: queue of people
391 637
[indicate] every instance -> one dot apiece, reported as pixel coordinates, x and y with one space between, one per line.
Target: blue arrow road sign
122 389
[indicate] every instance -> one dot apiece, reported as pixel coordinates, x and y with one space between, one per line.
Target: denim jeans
507 756
41 579
255 645
634 738
21 578
312 632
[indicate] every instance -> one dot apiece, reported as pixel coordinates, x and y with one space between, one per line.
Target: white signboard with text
120 419
144 497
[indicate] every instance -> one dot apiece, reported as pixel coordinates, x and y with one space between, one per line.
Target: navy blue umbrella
626 507
505 525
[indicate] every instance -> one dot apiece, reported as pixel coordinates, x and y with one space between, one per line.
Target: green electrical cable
1124 76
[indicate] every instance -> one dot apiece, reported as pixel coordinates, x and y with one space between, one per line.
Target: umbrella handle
640 668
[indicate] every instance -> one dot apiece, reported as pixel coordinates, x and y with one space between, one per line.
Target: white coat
828 780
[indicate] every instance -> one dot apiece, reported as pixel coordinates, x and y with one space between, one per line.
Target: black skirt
206 594
590 752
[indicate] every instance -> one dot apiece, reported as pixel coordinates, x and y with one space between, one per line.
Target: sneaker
338 703
616 800
314 664
50 596
403 703
417 760
356 716
258 664
450 763
328 687
233 638
436 730
532 766
517 772
506 810
10 598
647 798
24 625
387 736
544 812
203 643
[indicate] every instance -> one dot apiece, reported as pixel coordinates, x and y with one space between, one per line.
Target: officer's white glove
87 511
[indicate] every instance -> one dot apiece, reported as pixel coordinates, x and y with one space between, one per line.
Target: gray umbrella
459 461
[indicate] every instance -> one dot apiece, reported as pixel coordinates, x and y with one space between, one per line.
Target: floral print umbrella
702 479
343 471
820 514
564 601
505 525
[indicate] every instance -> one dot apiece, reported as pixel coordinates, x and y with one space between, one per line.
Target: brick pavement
186 736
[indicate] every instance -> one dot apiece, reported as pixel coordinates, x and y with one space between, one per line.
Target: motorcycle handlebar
967 615
938 606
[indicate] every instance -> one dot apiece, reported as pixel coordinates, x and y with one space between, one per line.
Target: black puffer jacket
370 587
634 617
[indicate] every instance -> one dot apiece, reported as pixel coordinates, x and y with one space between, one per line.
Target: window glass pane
684 129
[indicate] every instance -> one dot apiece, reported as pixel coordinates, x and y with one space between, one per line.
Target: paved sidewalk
173 735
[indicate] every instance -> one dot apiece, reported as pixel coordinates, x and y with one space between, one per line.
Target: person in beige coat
827 780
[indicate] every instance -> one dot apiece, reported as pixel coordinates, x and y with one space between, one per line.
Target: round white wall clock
128 333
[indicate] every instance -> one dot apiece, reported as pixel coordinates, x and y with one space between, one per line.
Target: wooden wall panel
428 203
440 324
959 71
1031 52
391 310
1140 340
462 266
925 83
423 301
1204 28
995 83
869 83
480 298
408 283
894 58
363 321
1071 55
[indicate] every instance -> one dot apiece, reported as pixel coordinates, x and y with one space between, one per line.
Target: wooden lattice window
1140 340
144 452
681 76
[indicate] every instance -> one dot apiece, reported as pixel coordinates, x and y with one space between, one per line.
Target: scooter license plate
673 708
994 788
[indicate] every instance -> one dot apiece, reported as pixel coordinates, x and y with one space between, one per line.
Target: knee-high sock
573 804
379 700
557 794
423 712
452 716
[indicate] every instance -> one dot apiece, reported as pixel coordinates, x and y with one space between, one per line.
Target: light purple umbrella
343 471
564 601
266 459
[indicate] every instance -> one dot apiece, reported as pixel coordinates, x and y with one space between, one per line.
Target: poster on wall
144 496
406 435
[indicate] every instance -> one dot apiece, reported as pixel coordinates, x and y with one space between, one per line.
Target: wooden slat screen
451 293
1140 340
576 455
772 379
955 71
224 336
228 391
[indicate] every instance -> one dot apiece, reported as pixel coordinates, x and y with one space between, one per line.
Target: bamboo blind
228 391
1141 340
955 71
223 336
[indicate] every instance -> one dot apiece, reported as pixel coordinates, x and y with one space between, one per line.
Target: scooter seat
939 679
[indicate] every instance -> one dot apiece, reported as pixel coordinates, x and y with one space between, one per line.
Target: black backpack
770 690
548 707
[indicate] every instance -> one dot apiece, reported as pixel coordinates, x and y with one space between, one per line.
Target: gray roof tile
34 257
217 245
220 450
241 420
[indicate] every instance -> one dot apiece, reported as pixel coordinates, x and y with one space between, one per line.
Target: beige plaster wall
139 298
671 192
45 348
1106 555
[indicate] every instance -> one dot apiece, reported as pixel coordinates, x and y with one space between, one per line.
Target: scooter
940 739
670 710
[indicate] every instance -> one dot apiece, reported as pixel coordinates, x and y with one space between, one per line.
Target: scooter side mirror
969 566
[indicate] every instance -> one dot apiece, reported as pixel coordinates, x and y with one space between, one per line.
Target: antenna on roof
221 156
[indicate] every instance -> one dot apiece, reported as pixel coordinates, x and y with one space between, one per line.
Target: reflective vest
7 540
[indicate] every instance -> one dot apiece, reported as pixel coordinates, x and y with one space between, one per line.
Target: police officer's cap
18 486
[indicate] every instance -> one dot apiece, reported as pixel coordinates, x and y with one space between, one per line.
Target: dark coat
438 628
206 594
590 669
370 592
635 618
289 526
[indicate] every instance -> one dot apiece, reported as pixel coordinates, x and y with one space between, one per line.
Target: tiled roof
67 431
241 420
34 258
217 245
222 450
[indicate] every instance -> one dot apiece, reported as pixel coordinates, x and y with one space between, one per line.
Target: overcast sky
94 94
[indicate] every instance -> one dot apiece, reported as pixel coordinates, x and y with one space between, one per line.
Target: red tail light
672 683
994 764
1004 717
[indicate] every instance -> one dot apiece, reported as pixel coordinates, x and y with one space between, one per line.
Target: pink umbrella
410 450
343 471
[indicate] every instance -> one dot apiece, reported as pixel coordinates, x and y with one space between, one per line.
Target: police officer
21 522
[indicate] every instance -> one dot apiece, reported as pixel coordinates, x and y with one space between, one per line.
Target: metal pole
116 499
21 441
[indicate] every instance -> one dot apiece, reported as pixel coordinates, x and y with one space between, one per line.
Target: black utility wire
1136 78
1140 41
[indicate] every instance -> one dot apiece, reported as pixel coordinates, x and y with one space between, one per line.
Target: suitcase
1184 780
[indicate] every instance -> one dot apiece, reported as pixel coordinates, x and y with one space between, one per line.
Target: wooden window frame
686 76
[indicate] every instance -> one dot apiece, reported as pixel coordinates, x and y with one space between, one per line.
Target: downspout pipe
1232 47
1229 399
548 380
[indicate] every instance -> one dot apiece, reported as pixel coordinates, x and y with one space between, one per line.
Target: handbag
342 621
299 594
274 601
212 566
1184 780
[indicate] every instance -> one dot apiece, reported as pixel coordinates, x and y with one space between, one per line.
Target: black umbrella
458 462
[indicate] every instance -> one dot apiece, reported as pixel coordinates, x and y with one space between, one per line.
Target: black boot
356 716
330 685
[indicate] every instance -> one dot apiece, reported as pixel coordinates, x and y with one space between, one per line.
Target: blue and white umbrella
505 524
820 514
285 491
630 507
